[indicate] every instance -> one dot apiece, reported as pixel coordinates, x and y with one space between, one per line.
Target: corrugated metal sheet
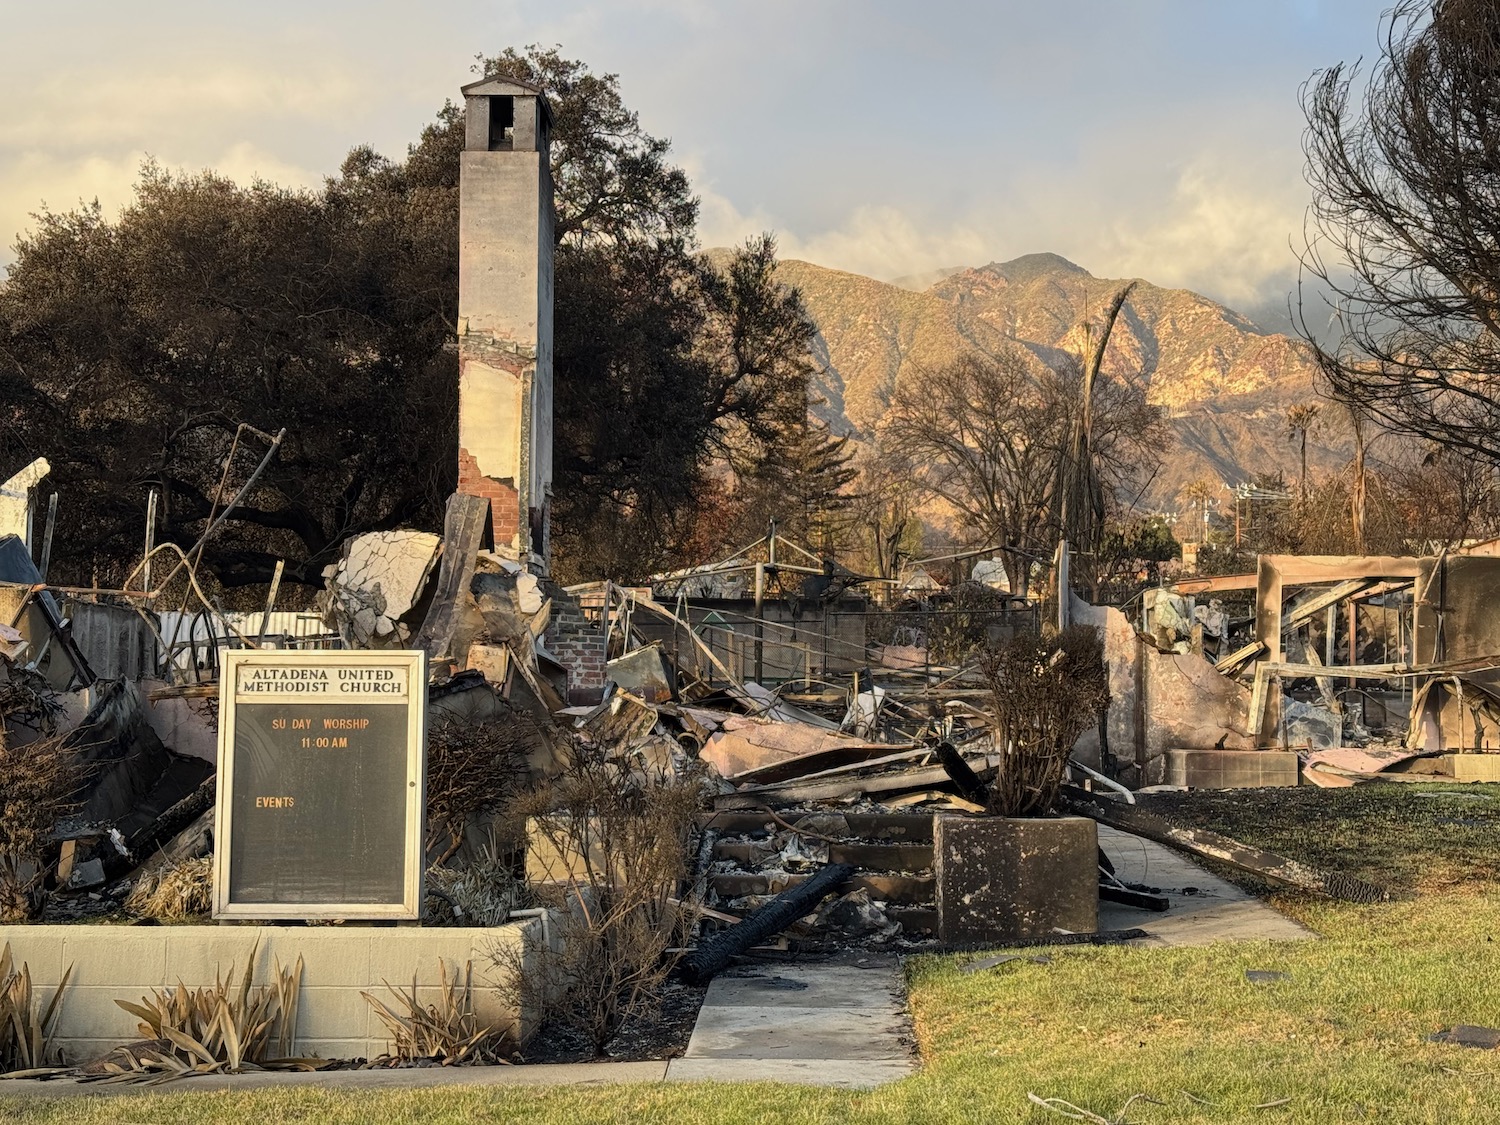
115 640
199 636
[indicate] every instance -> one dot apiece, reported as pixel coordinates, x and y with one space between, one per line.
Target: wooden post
47 536
150 540
1353 609
265 617
760 599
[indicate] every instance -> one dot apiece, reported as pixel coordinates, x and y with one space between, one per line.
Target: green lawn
1343 1036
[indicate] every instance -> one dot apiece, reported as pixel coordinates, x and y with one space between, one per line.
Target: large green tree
132 350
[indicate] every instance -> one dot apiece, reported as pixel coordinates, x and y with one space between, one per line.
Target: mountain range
1224 383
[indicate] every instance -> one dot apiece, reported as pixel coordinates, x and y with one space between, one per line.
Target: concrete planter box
333 1021
1006 878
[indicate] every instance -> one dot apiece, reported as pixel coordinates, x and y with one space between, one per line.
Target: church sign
322 759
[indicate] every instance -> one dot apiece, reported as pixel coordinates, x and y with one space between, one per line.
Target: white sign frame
414 664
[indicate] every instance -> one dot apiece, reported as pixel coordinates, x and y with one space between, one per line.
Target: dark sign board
320 786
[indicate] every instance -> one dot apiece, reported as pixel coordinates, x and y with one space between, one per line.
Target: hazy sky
1153 138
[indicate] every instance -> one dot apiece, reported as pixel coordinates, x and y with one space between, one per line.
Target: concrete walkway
1204 909
826 1024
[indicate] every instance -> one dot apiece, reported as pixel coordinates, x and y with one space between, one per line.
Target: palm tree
1198 494
1299 420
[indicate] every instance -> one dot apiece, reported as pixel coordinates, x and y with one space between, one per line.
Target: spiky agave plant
448 1030
227 1029
25 1025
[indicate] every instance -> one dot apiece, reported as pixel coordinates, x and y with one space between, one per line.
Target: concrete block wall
112 963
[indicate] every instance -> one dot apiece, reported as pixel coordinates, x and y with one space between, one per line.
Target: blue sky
1153 138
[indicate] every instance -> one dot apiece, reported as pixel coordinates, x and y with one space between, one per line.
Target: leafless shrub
473 768
1046 692
37 782
612 847
448 1030
230 1028
25 1025
172 893
960 628
27 700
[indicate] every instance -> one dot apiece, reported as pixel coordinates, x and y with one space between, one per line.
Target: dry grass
37 782
176 892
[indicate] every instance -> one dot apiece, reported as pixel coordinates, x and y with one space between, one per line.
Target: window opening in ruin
502 122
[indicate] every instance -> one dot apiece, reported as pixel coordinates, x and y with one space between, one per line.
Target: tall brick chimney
505 314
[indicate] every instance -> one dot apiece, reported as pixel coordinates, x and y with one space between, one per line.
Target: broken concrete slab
376 588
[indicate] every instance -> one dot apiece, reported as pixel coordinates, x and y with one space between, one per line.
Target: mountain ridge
1224 381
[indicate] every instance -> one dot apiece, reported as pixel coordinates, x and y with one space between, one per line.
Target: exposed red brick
505 501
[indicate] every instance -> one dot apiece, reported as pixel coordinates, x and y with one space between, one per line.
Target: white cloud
69 110
1219 231
1216 229
39 181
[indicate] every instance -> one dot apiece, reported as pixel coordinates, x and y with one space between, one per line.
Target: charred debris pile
813 802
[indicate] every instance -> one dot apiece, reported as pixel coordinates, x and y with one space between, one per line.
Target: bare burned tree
1405 226
992 437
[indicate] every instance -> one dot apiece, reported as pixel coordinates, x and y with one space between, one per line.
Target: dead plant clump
448 1031
613 846
230 1028
25 1025
473 768
175 892
28 701
37 783
1046 692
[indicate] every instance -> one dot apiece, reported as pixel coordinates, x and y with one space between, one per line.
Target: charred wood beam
1225 849
174 820
970 788
716 952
